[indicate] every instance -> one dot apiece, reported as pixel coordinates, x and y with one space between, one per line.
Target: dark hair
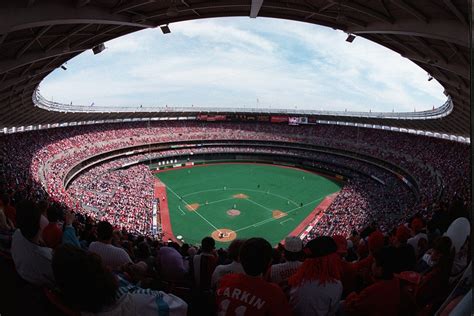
54 213
104 230
321 246
208 244
43 205
255 256
28 217
386 258
85 283
234 249
293 256
5 198
143 250
444 246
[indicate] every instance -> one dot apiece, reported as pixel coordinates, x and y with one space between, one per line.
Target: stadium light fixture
165 29
98 49
430 77
63 67
350 38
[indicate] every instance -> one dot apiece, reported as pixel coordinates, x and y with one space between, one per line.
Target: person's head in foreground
234 249
385 263
293 248
255 256
208 244
28 220
87 285
84 281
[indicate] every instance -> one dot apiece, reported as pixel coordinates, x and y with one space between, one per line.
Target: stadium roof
38 36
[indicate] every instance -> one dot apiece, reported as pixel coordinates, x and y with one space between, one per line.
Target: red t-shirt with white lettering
244 295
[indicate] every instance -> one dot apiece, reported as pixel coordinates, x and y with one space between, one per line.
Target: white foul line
196 212
258 204
286 220
274 219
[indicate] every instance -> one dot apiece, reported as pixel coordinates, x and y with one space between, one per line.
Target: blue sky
232 62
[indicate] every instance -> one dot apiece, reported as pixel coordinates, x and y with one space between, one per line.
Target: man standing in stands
234 267
249 293
113 257
52 233
279 273
205 263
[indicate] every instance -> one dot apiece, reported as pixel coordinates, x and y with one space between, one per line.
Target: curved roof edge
437 113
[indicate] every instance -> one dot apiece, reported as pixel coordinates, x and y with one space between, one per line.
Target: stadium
142 210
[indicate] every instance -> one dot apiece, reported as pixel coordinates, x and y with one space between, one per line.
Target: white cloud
232 62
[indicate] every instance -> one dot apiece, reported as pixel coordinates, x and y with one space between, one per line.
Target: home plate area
224 235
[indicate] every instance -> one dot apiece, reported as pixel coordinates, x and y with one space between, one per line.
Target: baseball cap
293 244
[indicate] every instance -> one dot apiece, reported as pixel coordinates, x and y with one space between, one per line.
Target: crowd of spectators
377 249
81 265
37 162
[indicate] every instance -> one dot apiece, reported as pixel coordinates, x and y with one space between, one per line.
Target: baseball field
239 200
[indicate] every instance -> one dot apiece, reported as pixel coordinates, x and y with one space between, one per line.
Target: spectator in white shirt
233 267
279 273
113 257
32 260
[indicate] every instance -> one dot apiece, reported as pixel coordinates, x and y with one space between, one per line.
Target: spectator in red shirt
349 273
52 233
249 293
382 297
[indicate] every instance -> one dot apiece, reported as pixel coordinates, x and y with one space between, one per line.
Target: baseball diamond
268 201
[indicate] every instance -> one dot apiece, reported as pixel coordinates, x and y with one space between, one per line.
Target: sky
243 62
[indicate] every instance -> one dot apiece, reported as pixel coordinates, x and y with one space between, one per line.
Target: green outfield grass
268 187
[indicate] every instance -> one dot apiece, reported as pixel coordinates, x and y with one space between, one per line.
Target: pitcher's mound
278 214
233 212
192 207
240 196
224 235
